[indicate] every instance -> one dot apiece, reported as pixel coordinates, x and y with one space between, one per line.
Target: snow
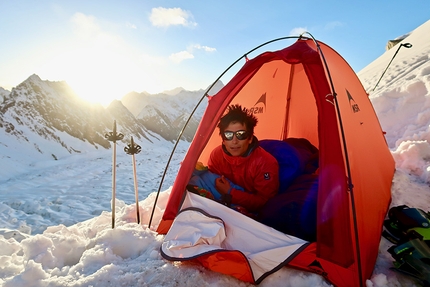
3 93
55 216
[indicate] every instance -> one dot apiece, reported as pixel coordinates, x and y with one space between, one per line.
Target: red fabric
257 173
233 263
339 276
299 84
333 200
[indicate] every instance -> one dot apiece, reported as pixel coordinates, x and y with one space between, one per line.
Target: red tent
306 90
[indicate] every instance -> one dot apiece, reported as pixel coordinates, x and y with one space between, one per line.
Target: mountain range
63 122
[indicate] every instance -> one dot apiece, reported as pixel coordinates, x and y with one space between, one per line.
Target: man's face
235 146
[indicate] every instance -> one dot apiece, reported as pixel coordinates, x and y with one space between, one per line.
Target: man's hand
222 185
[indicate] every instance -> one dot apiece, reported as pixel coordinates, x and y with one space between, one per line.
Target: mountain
3 94
127 123
169 101
62 122
50 118
166 113
55 219
174 91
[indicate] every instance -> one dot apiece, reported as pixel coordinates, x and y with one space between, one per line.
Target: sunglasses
240 135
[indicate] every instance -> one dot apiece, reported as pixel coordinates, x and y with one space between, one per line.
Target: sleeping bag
295 157
294 212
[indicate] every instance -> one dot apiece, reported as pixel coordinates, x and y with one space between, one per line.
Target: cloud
189 53
180 56
297 31
205 48
165 17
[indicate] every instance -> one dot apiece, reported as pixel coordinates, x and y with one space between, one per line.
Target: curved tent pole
350 185
198 104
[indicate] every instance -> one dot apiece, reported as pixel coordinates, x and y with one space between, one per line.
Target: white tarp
204 225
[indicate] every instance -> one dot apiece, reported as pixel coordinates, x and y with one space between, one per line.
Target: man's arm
265 183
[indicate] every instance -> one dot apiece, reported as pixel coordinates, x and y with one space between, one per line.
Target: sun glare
100 75
99 67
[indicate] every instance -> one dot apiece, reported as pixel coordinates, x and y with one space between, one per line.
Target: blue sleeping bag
206 180
295 156
293 209
294 212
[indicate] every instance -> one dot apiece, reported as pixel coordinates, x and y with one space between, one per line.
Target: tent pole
288 104
348 168
195 108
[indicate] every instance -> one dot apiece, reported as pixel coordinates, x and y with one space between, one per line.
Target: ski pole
406 45
133 149
113 137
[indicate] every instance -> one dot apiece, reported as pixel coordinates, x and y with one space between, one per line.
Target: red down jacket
257 173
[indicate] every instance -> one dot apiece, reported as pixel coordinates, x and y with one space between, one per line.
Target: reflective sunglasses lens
241 135
228 135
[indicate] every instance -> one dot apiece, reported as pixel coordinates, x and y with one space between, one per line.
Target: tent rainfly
306 90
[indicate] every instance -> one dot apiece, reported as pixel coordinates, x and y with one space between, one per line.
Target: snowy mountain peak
50 119
34 78
3 94
56 215
174 91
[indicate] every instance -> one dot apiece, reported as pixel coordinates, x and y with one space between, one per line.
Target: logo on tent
258 106
354 106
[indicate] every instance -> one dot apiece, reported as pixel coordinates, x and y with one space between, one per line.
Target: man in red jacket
241 160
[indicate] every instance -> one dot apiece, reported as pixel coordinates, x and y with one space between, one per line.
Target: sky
106 49
55 216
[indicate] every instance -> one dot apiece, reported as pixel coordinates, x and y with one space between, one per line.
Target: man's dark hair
238 114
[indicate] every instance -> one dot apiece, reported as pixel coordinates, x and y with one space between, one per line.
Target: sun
101 72
99 64
100 76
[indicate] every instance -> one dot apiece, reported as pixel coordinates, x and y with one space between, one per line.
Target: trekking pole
133 149
406 45
113 137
